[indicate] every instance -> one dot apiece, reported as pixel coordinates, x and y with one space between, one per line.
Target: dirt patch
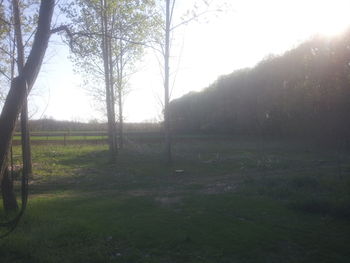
220 188
137 193
168 200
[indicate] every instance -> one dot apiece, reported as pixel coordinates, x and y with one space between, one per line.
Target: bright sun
331 17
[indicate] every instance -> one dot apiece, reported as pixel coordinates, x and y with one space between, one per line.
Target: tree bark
112 92
120 99
109 97
166 86
26 151
8 195
121 121
24 82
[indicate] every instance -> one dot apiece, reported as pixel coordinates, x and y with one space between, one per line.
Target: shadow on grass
196 228
89 209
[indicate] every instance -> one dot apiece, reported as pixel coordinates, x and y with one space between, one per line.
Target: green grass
62 138
233 203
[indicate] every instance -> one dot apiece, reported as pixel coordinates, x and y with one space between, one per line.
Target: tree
108 37
7 71
27 163
22 84
26 149
90 44
168 16
132 32
169 28
12 16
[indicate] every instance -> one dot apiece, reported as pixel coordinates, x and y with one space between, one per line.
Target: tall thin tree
26 149
166 83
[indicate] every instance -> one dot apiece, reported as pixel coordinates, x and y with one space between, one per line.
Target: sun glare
332 27
331 17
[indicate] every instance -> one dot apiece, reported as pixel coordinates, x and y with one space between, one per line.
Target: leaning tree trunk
23 83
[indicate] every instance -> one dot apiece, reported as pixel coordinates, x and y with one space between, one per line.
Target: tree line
303 93
93 126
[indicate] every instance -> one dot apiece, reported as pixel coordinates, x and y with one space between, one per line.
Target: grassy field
62 136
234 201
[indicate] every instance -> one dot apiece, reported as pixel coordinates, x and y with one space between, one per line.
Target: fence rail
82 137
96 137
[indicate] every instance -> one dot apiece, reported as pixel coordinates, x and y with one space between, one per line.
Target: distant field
243 201
61 136
58 137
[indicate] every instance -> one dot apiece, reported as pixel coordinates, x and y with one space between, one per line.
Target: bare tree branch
5 21
71 36
5 75
8 53
185 22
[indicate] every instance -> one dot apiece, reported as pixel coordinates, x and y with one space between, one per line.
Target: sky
218 43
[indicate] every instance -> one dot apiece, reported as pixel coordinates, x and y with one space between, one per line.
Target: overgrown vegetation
303 93
233 202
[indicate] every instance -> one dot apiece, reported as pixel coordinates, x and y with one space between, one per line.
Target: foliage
130 28
8 54
304 92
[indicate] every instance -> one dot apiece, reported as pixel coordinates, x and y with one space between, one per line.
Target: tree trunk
121 121
166 86
26 151
8 195
109 99
8 119
24 82
112 92
25 138
120 99
9 114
